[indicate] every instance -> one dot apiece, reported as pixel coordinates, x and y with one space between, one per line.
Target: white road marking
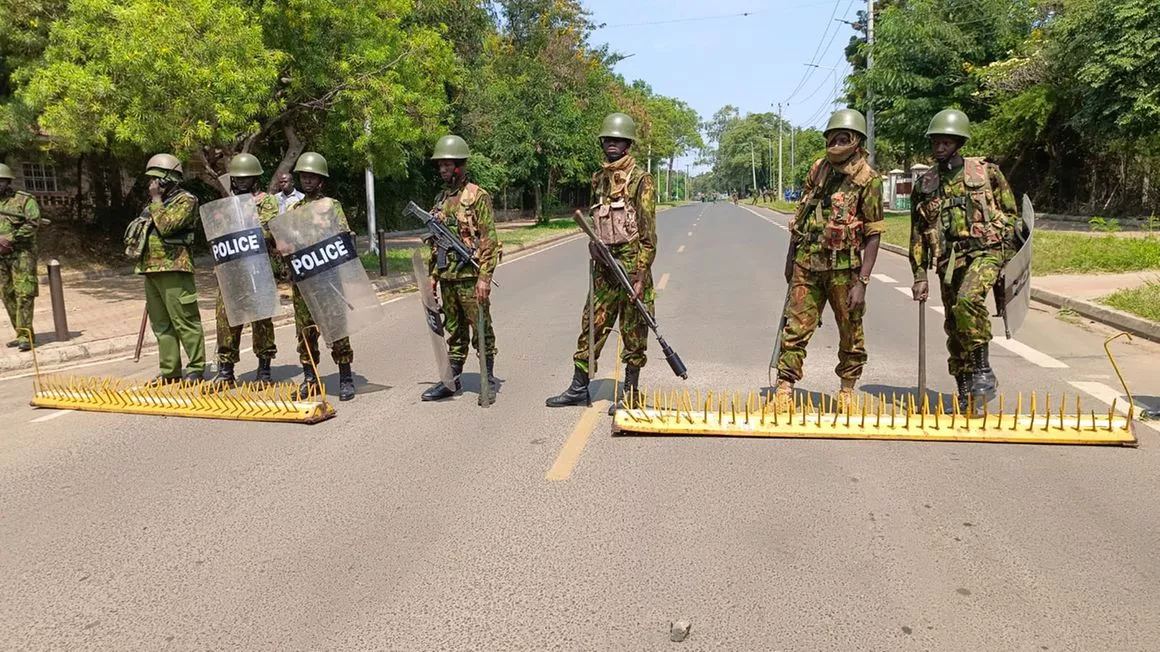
51 416
884 278
905 291
681 249
690 233
1035 357
767 219
1106 395
663 282
938 309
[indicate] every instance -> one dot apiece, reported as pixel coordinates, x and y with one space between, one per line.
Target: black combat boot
984 385
12 344
195 376
963 398
225 375
439 391
576 394
310 386
492 383
263 375
629 395
345 383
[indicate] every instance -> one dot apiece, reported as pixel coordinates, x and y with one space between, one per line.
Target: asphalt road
411 526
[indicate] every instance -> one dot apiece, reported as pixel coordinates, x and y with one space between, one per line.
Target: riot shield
325 267
433 314
241 261
1013 289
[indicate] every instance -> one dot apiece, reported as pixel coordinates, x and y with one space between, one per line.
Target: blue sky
749 62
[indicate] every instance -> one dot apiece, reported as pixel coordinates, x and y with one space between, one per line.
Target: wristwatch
865 280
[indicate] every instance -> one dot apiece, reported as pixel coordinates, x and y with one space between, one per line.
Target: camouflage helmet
847 119
950 122
245 165
450 148
165 166
618 125
312 162
6 172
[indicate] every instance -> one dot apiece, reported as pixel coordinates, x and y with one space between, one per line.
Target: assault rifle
605 258
443 240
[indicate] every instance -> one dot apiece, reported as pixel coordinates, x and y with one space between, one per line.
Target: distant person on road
159 240
465 209
287 194
962 222
19 222
245 172
624 218
834 240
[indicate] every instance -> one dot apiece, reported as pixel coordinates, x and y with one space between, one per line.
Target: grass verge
1143 301
399 258
1067 253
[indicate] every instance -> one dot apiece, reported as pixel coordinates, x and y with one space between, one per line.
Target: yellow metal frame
275 402
896 417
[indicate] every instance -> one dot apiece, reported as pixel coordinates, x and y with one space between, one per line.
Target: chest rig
614 217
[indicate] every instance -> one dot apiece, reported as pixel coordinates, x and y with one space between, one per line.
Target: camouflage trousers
809 293
461 319
340 350
19 288
611 302
229 338
967 322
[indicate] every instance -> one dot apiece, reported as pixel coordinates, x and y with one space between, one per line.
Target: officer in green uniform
962 223
160 241
312 175
624 218
19 221
834 240
245 172
465 209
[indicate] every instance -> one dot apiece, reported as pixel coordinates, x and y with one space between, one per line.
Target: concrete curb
1118 319
126 344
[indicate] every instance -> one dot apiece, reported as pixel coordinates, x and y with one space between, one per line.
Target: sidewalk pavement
104 311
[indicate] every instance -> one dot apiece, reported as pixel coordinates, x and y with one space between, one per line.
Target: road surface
404 525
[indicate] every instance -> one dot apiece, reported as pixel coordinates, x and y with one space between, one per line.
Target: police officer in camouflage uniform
624 218
245 172
465 209
160 240
312 176
19 221
834 240
962 223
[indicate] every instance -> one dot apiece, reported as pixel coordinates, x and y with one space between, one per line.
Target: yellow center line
574 446
663 282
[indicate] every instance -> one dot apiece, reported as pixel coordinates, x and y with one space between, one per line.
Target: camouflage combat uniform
170 291
19 222
340 350
625 219
466 211
841 208
962 221
229 338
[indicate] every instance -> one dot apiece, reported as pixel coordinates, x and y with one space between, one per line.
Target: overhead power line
819 51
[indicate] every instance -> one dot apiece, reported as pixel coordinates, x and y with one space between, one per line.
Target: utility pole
780 189
369 178
753 166
869 88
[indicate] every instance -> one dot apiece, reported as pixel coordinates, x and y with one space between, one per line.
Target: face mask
837 154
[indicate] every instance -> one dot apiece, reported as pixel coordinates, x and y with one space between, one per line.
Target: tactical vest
614 217
838 213
463 220
984 220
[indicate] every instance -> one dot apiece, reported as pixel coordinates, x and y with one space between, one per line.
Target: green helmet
165 166
618 125
847 119
450 148
245 165
6 172
312 162
950 122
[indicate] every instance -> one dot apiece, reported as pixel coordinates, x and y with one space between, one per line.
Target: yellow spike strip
865 406
1047 414
893 405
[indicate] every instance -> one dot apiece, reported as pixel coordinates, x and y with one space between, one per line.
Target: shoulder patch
928 182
